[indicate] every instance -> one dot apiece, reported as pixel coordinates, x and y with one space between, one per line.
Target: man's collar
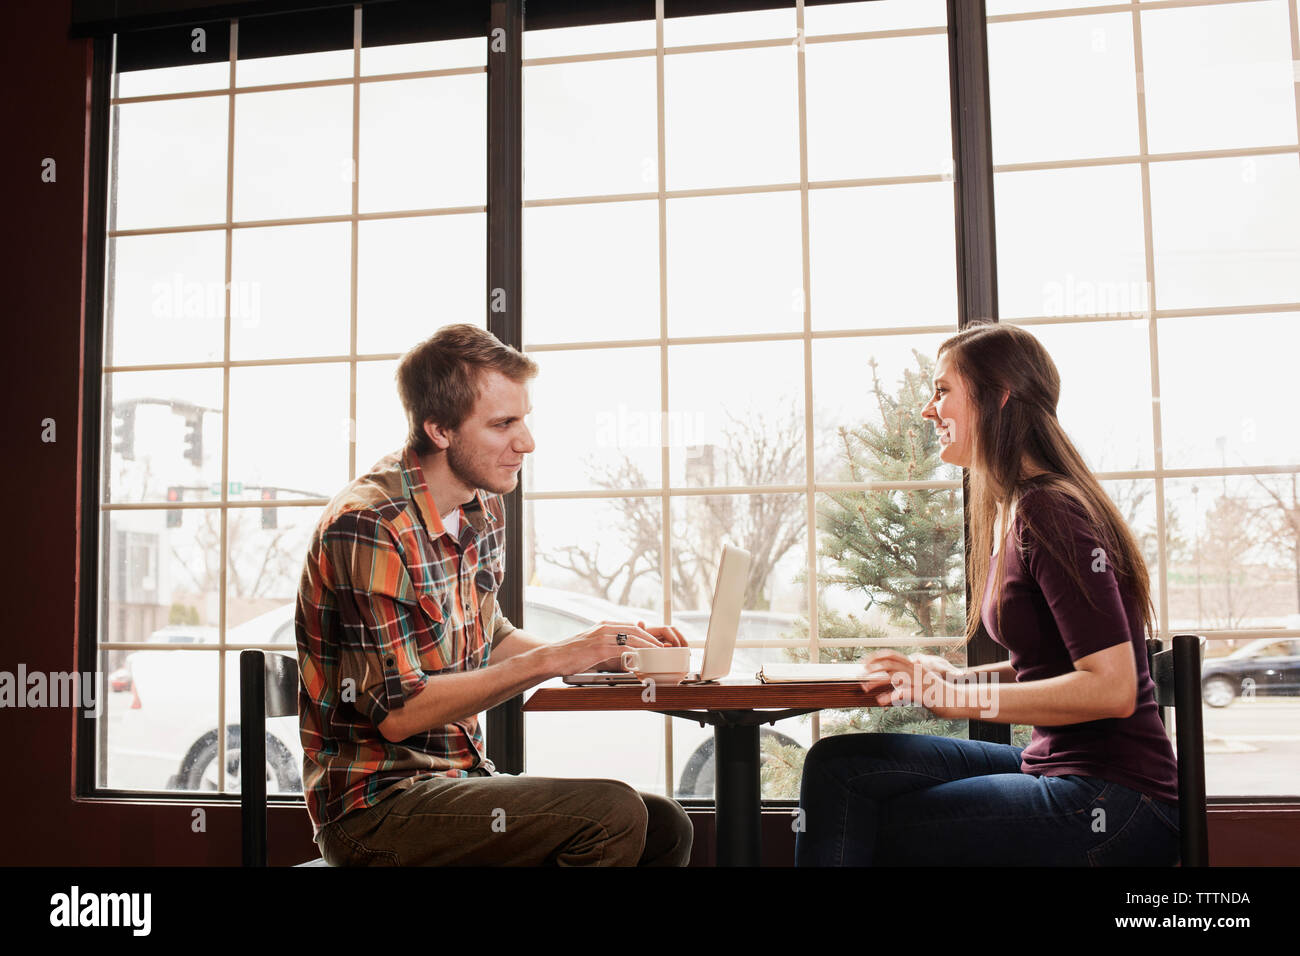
475 510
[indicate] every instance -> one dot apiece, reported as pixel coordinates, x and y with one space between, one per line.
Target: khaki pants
506 820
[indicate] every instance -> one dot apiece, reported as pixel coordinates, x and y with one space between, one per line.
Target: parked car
169 731
165 726
1268 667
119 681
754 626
184 634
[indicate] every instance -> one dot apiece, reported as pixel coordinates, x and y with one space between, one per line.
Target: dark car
1268 667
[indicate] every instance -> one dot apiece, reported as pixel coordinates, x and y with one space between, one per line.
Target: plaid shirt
388 598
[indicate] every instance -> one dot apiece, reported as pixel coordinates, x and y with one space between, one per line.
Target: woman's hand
919 680
950 672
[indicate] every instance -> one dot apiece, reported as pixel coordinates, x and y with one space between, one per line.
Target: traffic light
174 514
268 514
124 433
194 439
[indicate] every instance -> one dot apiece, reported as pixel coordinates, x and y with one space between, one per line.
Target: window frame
976 289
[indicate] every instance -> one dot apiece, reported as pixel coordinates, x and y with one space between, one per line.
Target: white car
165 736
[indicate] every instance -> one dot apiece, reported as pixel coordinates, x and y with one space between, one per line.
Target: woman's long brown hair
992 358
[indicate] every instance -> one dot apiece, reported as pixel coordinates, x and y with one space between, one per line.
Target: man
401 645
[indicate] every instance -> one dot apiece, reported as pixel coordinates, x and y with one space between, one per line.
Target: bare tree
1129 496
1232 533
1280 524
753 451
638 530
257 565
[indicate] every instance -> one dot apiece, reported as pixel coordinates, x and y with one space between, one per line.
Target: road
1252 748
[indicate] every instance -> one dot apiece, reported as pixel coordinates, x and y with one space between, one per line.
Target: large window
738 263
1148 232
739 257
282 226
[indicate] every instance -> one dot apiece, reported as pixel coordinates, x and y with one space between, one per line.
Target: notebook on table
819 674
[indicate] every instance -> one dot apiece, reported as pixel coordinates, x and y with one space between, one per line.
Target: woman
1066 591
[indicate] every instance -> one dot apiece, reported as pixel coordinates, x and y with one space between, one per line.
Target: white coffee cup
663 665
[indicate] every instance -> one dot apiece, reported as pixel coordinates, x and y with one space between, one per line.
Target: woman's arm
1102 685
1003 669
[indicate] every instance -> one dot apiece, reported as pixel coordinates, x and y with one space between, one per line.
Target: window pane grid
221 512
1175 69
668 344
667 492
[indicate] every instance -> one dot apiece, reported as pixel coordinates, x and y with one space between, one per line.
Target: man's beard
473 473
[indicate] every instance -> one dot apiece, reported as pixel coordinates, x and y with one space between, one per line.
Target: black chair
1176 673
268 687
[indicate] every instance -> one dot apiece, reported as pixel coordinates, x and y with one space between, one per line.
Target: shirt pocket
431 642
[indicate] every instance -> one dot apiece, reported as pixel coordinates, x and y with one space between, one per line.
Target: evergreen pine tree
901 550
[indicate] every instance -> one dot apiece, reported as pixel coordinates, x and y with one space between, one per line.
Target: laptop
724 624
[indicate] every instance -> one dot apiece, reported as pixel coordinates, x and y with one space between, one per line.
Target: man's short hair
439 379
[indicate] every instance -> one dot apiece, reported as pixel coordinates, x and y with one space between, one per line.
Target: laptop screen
724 618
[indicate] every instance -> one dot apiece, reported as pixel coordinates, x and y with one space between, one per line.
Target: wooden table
735 708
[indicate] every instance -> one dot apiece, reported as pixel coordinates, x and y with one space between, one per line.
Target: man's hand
667 636
598 645
664 635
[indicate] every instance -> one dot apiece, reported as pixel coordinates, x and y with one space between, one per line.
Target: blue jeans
918 800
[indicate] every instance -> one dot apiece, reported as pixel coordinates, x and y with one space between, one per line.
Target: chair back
1176 673
281 685
268 687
